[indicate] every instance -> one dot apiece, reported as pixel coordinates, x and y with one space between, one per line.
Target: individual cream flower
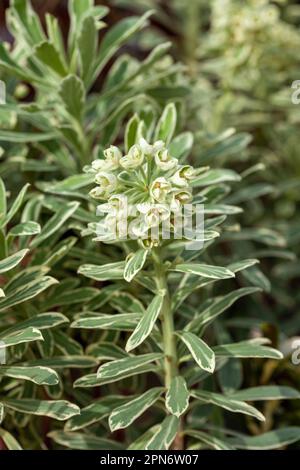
138 228
180 197
154 214
164 161
133 159
116 205
159 189
96 166
182 176
107 182
149 149
112 158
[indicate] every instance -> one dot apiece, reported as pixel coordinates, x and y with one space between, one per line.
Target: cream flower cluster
139 191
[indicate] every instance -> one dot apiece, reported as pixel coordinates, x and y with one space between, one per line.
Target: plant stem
169 343
171 368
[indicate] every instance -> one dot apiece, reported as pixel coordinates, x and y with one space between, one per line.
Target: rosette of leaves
166 354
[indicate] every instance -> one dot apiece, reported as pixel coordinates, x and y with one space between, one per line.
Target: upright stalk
168 330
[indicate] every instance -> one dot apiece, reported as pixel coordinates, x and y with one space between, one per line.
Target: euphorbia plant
165 343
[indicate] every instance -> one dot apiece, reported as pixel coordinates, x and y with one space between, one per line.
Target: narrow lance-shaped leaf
9 440
27 291
166 124
134 264
236 406
15 207
205 270
146 324
247 349
165 434
83 441
95 412
122 321
103 273
2 199
177 397
38 375
56 221
60 409
126 414
25 229
219 305
267 441
23 336
266 392
72 94
203 355
116 368
12 261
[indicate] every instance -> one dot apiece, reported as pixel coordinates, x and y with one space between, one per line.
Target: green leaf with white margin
203 355
15 207
204 270
177 396
96 411
106 272
165 434
218 306
27 291
166 124
87 47
67 361
215 176
91 380
240 265
131 132
72 94
267 441
56 221
23 336
25 229
116 36
9 440
122 321
50 57
2 293
208 439
141 442
12 261
181 145
41 321
126 414
134 264
121 366
2 199
146 324
247 349
38 375
82 441
57 409
228 403
266 392
1 412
